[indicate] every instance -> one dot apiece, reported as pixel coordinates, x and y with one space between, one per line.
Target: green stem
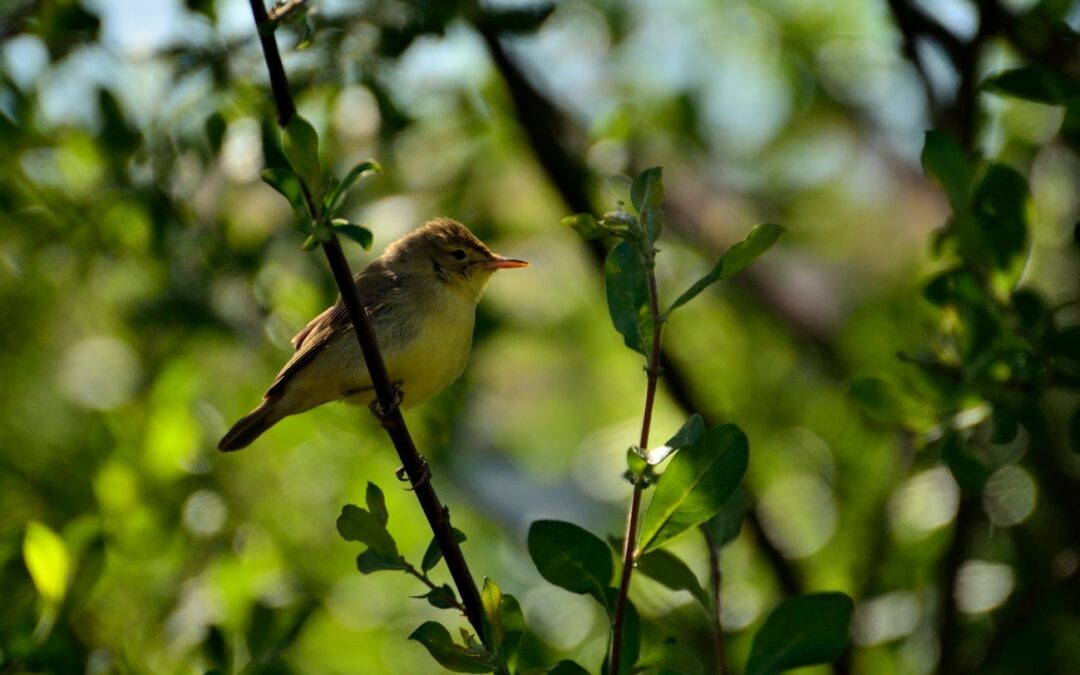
630 554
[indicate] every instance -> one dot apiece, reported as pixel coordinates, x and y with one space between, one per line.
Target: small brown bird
422 294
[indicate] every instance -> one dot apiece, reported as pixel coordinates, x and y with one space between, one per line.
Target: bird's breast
438 349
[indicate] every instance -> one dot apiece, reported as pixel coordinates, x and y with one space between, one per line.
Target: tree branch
387 395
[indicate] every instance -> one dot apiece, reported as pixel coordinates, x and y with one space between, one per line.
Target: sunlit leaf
735 259
356 524
338 192
571 557
801 631
585 225
358 233
460 659
301 146
504 622
671 571
47 559
628 297
696 484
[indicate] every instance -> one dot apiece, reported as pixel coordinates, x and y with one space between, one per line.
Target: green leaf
671 571
567 668
358 233
504 622
696 484
724 527
690 433
376 503
372 561
433 554
571 557
1037 83
628 297
647 196
440 597
301 146
436 639
585 225
356 173
735 259
801 631
670 658
946 162
999 205
47 559
356 524
285 182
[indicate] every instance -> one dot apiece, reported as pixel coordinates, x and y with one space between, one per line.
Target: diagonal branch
387 396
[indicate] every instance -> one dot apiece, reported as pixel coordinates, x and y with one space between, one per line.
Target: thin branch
541 122
629 554
387 395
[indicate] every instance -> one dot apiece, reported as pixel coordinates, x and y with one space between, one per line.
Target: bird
421 295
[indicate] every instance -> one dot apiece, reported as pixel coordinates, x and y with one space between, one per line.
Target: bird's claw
381 412
424 478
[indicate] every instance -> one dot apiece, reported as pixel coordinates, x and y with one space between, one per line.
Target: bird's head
451 254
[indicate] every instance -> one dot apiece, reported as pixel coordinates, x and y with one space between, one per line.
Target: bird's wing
377 287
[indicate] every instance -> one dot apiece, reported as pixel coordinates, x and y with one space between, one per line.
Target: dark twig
390 416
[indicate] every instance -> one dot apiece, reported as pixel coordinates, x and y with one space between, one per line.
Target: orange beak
501 263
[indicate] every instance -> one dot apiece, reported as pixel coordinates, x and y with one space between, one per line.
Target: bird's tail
251 426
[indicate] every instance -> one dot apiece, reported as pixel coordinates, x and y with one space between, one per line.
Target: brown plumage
421 294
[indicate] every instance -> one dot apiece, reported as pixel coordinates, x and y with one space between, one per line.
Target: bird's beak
501 263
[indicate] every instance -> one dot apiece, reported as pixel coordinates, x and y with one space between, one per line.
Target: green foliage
504 622
433 554
468 658
357 524
695 485
628 297
571 557
671 571
670 658
735 259
801 631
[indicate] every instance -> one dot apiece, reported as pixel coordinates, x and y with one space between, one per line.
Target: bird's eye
458 254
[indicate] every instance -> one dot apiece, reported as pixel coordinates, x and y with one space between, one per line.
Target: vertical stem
438 516
716 578
630 541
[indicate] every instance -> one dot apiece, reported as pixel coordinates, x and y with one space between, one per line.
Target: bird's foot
382 413
423 479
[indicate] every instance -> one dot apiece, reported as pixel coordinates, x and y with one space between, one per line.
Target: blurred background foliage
150 283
